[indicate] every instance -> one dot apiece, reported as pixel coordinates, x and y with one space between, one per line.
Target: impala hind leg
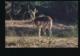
44 32
50 32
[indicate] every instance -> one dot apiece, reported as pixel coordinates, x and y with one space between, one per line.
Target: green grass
22 31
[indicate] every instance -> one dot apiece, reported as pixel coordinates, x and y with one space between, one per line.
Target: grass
43 42
23 35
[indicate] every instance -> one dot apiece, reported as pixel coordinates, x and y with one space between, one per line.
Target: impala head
33 13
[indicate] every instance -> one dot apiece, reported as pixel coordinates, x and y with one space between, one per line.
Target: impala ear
35 10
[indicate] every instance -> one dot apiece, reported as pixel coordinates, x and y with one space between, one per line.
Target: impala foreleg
50 32
44 31
39 33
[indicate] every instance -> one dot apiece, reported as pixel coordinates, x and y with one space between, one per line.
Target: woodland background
63 11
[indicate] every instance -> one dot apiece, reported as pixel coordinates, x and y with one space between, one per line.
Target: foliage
71 32
62 10
67 32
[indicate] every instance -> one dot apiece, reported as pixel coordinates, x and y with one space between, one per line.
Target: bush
34 32
75 31
67 32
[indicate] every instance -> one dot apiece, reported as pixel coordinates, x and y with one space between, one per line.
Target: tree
64 11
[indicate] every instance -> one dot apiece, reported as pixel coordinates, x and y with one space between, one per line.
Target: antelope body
42 23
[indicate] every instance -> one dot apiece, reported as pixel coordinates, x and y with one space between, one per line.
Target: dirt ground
43 42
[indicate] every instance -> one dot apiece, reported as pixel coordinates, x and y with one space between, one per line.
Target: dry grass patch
36 42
